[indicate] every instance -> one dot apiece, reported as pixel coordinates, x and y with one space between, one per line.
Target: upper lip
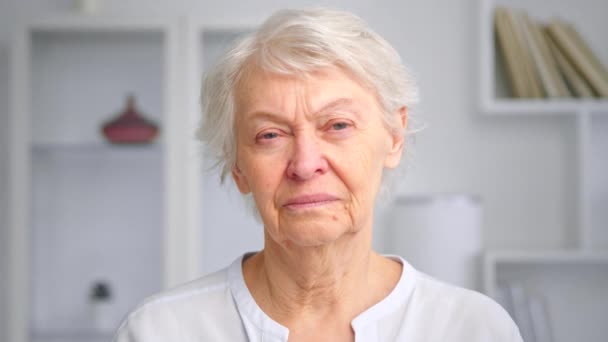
312 198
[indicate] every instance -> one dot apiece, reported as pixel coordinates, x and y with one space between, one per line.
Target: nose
307 158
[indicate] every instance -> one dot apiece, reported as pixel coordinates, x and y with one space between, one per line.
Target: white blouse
219 307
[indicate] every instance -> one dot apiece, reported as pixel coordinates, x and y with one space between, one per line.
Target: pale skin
311 151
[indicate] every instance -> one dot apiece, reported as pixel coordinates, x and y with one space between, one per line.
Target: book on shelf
577 57
528 310
552 81
584 47
525 58
507 44
576 83
528 45
550 60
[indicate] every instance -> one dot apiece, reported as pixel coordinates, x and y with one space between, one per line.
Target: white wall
523 168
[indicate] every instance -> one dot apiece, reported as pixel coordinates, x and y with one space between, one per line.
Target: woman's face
311 151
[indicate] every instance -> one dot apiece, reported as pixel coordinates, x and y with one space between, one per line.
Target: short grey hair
299 42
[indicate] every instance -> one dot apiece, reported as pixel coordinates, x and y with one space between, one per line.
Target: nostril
307 160
303 169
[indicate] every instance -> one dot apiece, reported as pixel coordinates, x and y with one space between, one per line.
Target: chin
314 233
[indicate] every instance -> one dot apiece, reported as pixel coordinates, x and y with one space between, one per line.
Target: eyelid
266 131
331 122
260 135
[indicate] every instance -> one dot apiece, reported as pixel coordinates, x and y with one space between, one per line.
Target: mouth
309 201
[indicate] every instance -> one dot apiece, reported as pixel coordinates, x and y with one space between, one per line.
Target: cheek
264 173
358 164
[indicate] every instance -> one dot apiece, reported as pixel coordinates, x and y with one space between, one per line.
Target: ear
395 151
240 180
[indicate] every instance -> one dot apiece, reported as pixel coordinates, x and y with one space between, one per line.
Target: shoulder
448 297
464 314
180 310
205 289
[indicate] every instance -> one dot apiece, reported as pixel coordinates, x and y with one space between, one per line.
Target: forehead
259 90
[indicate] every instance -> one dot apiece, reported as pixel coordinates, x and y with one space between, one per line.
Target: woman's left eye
270 135
340 125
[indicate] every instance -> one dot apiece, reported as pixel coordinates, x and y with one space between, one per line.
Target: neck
295 284
310 278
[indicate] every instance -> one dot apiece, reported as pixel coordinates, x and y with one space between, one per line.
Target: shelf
571 286
67 107
493 82
571 283
96 148
92 204
546 257
97 23
588 124
492 260
80 208
574 295
518 107
96 213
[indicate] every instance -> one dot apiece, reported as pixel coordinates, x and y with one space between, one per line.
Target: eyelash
344 125
267 136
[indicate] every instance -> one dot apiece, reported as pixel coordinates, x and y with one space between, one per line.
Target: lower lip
299 206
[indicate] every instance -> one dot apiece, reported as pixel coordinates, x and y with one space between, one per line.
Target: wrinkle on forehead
262 91
270 92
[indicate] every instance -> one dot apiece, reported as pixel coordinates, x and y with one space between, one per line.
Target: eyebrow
331 105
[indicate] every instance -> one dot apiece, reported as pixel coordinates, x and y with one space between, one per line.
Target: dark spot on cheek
334 217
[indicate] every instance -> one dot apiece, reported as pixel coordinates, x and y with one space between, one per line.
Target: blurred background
505 189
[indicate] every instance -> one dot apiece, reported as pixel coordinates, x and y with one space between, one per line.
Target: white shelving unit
120 206
572 280
588 113
59 100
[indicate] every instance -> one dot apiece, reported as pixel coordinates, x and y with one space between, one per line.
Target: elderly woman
306 114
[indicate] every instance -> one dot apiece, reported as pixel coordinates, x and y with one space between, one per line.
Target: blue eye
339 126
268 136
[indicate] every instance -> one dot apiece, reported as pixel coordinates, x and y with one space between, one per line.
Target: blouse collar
248 307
